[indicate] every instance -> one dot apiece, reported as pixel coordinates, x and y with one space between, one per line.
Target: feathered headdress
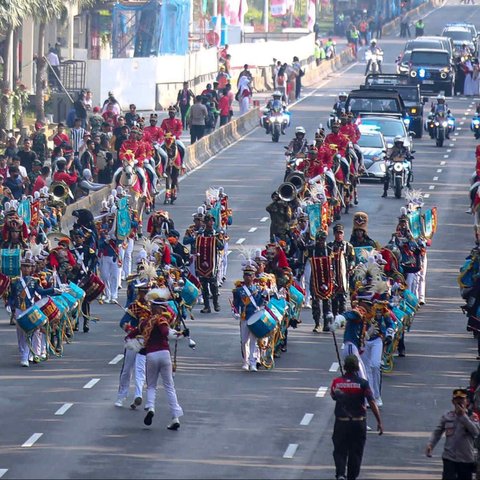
149 272
414 199
212 195
369 269
248 258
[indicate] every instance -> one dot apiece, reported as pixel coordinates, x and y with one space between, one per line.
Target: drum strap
250 296
27 291
80 260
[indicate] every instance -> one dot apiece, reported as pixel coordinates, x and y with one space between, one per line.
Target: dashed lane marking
449 151
64 408
439 170
442 163
307 418
431 187
445 156
461 123
464 118
426 195
116 359
91 383
452 145
435 179
3 471
240 241
253 229
334 367
459 128
456 134
31 441
321 392
264 219
291 450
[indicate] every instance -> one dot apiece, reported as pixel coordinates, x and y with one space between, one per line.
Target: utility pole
265 16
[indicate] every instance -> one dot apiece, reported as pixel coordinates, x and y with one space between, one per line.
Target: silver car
390 127
373 147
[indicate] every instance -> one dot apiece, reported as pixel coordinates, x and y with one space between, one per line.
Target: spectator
39 142
12 149
245 73
41 180
62 175
363 29
109 115
419 28
116 105
198 115
118 139
405 24
222 78
80 109
87 160
15 183
21 169
319 52
33 174
54 72
231 98
299 72
132 117
281 80
184 98
60 138
228 61
87 184
354 38
26 155
379 26
244 93
3 166
88 101
76 136
224 107
95 120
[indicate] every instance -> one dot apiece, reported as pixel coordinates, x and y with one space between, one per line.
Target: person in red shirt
61 139
171 124
337 138
347 129
154 133
109 115
224 107
41 180
61 175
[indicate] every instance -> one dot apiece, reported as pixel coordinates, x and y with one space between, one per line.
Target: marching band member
156 332
138 311
190 236
344 263
207 245
247 299
359 237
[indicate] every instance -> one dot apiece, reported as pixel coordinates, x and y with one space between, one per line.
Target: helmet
276 93
398 139
342 94
300 130
373 42
440 97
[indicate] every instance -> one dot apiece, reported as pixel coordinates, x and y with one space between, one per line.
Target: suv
410 95
378 101
461 35
432 70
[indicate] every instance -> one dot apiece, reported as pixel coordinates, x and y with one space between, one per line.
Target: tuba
298 180
287 191
60 191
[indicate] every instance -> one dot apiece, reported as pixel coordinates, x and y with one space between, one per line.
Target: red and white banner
234 11
278 8
311 14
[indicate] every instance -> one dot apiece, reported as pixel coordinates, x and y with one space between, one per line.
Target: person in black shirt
350 430
132 117
27 155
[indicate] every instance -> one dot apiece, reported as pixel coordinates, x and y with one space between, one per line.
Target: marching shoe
148 417
317 329
384 195
245 367
136 403
205 310
119 402
216 307
174 424
421 303
401 353
24 363
253 368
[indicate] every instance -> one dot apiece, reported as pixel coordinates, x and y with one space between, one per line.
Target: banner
311 14
278 8
124 222
24 211
35 213
314 213
415 223
231 11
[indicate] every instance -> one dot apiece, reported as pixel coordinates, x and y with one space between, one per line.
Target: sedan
390 128
372 145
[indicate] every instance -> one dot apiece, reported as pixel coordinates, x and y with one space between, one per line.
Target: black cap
338 227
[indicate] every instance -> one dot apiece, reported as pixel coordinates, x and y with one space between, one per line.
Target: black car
410 95
432 70
379 102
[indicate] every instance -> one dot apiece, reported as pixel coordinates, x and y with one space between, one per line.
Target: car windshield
389 127
371 141
409 94
373 105
435 45
429 58
458 35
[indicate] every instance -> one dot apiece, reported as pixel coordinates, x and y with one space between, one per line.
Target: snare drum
69 300
49 308
189 293
76 291
410 298
278 307
296 298
93 287
261 323
31 319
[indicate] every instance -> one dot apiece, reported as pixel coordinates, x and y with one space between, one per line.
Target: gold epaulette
238 283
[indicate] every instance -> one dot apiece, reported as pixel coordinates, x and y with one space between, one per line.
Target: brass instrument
287 191
298 180
60 191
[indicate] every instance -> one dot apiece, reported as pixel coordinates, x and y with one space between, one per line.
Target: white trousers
250 352
22 345
109 273
412 280
349 348
422 280
372 359
160 364
305 280
244 105
133 362
126 258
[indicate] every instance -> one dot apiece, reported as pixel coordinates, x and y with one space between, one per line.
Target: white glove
58 291
311 182
236 316
371 331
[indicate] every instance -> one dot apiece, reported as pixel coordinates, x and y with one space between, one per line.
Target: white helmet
276 93
373 42
398 139
300 130
440 97
342 94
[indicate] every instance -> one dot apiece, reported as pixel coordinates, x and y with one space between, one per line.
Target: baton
336 350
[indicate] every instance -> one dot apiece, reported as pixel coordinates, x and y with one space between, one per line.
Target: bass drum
261 323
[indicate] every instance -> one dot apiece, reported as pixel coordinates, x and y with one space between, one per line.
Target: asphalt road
238 424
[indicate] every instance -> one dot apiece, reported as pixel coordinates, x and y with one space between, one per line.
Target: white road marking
459 128
431 187
307 418
442 163
3 471
426 195
31 441
321 392
291 450
91 383
240 241
461 123
445 156
456 134
439 170
464 118
264 219
116 359
334 367
452 145
449 151
435 179
454 139
64 408
252 230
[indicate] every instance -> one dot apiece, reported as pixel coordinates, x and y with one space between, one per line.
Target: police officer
460 431
339 244
397 151
351 393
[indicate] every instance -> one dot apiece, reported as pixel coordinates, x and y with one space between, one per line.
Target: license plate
428 82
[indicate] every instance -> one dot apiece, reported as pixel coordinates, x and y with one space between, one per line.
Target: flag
311 14
278 8
218 30
242 11
230 12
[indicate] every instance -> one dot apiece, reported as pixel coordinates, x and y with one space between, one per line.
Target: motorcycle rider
298 145
336 138
393 154
441 109
276 97
373 50
339 105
